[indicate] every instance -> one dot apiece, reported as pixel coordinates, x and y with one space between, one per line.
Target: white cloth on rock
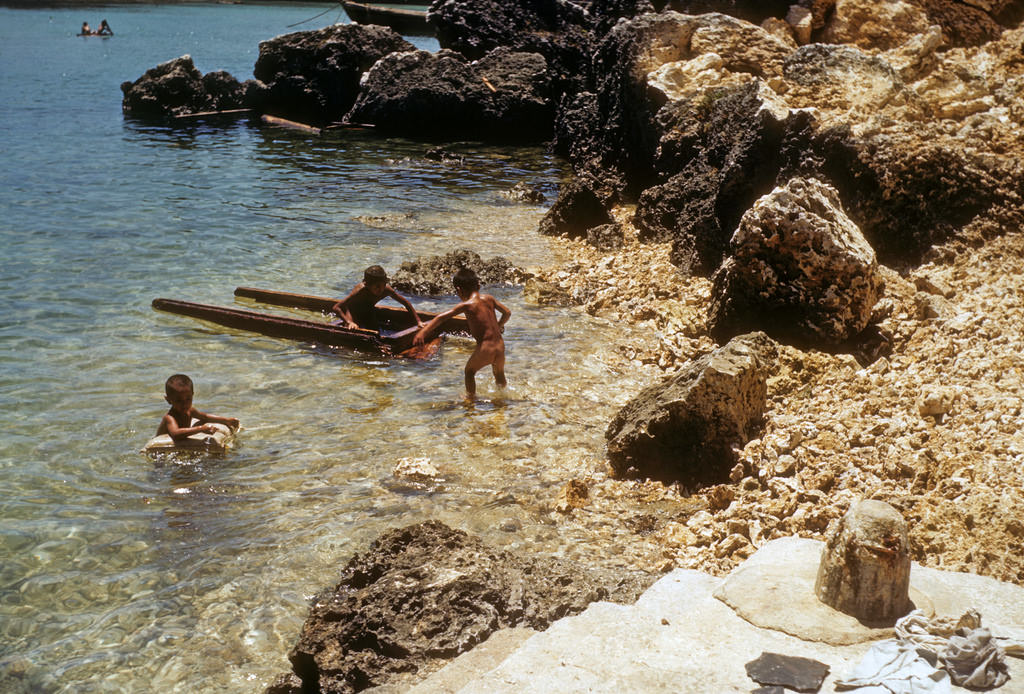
928 653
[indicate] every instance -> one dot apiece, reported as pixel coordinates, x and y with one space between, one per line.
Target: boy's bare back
483 324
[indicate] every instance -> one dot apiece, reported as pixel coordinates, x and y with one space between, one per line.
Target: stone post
865 566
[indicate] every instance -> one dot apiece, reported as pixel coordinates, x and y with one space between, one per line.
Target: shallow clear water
123 573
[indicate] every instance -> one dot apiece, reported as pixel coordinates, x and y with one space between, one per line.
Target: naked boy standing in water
483 325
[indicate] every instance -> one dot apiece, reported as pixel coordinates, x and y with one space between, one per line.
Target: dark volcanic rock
606 13
427 592
687 427
606 237
558 30
313 76
433 274
728 146
754 11
177 88
502 97
578 209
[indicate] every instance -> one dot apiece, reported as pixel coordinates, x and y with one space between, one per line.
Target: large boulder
689 427
177 88
428 592
313 76
503 97
578 209
799 269
559 30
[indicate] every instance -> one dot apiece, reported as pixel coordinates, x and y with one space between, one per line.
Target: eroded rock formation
503 96
177 88
798 268
428 592
433 274
313 76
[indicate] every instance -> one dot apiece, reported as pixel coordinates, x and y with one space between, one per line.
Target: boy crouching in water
356 309
177 423
479 311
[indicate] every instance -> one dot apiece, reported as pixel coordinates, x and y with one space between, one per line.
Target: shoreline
837 431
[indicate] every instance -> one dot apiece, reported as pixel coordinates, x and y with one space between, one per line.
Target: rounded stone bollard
865 566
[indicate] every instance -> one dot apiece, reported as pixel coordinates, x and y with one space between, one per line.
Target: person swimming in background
86 30
105 29
483 326
177 423
356 309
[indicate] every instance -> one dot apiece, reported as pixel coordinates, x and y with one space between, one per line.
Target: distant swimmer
356 309
104 30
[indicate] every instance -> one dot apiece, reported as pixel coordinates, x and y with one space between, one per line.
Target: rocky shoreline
810 210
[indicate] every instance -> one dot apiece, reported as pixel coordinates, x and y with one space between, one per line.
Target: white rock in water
419 469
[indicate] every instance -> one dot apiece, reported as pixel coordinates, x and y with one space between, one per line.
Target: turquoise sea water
120 573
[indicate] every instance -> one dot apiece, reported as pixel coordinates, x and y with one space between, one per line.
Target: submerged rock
689 427
428 592
433 274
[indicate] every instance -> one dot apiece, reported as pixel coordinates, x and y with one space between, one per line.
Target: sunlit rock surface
687 427
798 268
427 592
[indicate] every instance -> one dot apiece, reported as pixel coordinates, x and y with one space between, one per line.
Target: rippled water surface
123 573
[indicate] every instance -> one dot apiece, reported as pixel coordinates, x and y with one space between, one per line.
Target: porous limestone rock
433 274
865 565
687 427
875 24
800 269
731 144
560 31
577 210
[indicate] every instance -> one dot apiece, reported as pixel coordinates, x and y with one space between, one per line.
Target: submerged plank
285 123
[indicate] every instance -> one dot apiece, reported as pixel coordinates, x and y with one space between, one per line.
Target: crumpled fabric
895 667
929 653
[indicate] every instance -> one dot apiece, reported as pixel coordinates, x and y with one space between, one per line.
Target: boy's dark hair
375 274
466 280
176 383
